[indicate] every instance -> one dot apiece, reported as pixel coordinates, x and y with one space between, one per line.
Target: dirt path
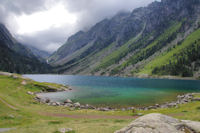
7 104
86 116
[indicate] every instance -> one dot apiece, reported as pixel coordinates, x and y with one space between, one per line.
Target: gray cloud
48 40
22 6
88 13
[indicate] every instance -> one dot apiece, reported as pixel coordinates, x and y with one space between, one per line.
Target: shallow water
117 91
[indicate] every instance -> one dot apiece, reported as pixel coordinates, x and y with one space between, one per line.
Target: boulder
57 103
68 105
23 82
47 100
30 93
158 123
87 106
196 99
37 98
195 126
53 104
77 105
68 101
172 104
14 76
65 130
130 108
104 109
123 109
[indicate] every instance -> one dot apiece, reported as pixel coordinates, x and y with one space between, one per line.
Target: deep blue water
117 91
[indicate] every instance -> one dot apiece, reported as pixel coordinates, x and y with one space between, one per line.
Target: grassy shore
19 110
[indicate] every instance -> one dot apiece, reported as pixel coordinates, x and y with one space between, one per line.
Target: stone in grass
139 114
11 116
14 76
123 109
23 82
65 130
30 93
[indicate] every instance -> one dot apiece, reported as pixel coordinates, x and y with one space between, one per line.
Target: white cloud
46 24
43 20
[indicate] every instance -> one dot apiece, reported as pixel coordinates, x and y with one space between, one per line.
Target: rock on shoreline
181 99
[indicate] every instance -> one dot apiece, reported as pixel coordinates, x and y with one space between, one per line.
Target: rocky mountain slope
40 54
14 57
160 39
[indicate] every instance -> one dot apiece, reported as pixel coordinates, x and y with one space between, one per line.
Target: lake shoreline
159 91
181 99
145 76
166 77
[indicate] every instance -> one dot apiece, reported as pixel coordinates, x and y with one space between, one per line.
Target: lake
117 91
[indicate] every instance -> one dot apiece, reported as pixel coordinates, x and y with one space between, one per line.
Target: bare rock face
158 123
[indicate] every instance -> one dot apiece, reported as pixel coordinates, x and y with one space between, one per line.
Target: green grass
155 45
115 56
49 86
118 54
29 116
167 56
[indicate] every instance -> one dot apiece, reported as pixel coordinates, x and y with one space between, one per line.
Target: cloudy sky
46 24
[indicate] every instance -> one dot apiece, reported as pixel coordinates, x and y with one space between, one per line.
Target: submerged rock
158 123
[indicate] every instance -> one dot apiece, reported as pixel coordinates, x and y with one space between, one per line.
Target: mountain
160 39
40 54
16 58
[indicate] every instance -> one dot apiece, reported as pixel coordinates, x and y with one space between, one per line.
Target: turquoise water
117 91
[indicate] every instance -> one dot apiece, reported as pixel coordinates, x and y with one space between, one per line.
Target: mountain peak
125 43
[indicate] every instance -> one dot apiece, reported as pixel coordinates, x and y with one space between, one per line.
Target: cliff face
126 43
14 57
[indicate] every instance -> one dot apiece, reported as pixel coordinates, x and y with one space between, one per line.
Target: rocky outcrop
158 123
